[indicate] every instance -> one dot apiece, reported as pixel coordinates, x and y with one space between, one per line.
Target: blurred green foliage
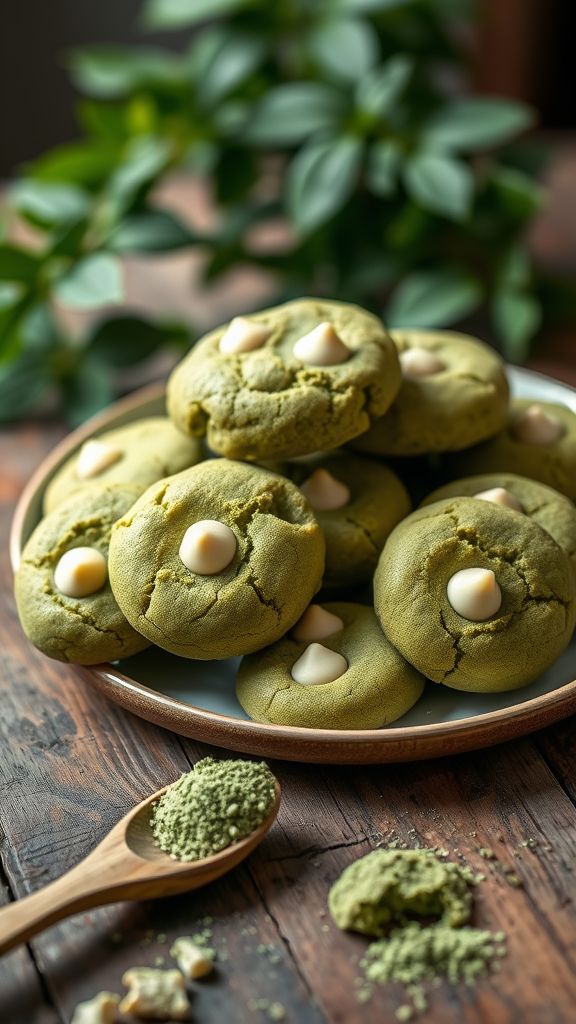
403 191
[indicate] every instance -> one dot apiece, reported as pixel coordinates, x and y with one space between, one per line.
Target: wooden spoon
126 865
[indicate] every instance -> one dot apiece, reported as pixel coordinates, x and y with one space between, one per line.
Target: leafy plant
338 115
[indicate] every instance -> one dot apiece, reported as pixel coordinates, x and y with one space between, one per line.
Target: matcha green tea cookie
138 454
357 502
539 441
64 599
336 670
552 511
287 381
475 596
216 561
454 394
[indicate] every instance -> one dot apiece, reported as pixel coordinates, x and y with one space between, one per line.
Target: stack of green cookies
267 541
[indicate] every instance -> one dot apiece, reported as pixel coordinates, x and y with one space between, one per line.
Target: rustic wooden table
71 764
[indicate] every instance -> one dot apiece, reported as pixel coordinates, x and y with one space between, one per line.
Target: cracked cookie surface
553 511
461 405
275 572
553 464
378 687
536 618
83 630
150 449
267 404
355 533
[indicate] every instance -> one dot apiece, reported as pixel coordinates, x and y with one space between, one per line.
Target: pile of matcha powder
381 895
211 807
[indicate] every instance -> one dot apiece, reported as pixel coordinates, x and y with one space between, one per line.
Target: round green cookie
553 464
84 630
276 570
377 688
267 404
460 405
150 449
552 511
355 533
536 618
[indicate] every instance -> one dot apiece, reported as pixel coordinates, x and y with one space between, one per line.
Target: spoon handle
67 895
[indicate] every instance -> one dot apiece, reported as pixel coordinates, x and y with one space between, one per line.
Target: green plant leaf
23 382
109 72
124 340
345 48
234 173
520 194
17 264
379 89
433 298
440 184
150 231
145 159
84 163
517 316
370 5
291 112
320 179
179 13
9 294
92 282
87 391
384 159
477 123
48 204
39 329
514 270
236 55
67 240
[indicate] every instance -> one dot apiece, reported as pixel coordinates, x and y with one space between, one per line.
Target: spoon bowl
126 865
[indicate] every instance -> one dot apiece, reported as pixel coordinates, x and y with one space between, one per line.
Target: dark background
525 49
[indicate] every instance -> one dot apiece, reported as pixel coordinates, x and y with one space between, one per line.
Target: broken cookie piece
101 1009
154 994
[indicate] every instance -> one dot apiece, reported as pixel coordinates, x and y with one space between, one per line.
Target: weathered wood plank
465 804
558 747
22 999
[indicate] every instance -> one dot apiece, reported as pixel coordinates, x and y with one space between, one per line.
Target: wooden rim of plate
324 746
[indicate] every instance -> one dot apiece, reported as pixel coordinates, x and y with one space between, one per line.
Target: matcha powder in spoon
216 804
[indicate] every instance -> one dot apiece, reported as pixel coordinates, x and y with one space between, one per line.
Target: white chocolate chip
316 624
193 961
80 572
324 492
321 347
243 336
208 547
154 994
101 1009
318 664
474 594
94 457
419 362
536 426
500 496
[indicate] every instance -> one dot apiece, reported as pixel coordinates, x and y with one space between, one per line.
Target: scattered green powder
389 886
384 890
214 805
487 853
418 953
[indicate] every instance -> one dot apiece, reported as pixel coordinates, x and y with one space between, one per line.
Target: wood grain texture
71 764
